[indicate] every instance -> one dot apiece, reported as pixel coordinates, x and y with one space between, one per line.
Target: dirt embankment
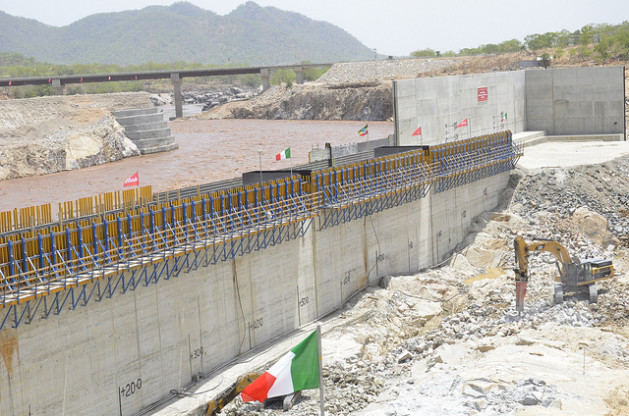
347 91
363 101
52 134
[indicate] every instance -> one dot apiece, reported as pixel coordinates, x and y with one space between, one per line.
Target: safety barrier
110 240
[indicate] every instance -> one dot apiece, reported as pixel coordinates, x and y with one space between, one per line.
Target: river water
209 150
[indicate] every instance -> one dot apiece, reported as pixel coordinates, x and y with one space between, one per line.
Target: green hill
250 35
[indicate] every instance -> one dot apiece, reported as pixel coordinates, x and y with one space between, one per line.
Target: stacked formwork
108 244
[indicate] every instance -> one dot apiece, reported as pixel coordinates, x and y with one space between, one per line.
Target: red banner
133 180
418 132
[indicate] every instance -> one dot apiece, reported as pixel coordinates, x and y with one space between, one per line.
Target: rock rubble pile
383 70
449 341
210 98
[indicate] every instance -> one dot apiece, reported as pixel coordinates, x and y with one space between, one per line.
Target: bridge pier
56 84
299 71
265 73
176 79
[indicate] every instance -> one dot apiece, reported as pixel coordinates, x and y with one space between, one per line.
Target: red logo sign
482 94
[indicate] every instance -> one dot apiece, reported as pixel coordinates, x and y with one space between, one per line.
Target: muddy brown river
209 150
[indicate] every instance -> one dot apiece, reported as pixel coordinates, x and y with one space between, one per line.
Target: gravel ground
383 70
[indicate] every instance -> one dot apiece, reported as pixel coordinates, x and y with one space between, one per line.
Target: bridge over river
175 75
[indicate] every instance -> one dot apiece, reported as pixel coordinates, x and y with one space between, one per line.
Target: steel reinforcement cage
109 240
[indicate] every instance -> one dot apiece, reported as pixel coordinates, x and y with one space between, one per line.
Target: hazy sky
392 27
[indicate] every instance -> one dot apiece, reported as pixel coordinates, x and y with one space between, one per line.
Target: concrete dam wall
562 101
178 302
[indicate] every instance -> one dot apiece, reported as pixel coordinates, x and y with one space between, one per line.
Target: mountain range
250 34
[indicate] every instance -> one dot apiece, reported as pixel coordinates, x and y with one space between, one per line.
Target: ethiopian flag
295 371
283 155
363 131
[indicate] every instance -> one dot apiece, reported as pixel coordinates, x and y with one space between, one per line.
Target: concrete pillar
177 89
299 71
265 73
56 84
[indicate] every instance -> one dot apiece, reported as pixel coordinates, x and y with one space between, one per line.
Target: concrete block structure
570 101
147 129
576 101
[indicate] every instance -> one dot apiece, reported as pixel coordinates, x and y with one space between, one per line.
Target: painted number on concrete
346 279
304 301
256 324
197 353
131 388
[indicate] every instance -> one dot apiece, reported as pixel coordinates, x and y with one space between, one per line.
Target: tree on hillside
545 60
512 45
602 48
586 35
621 44
424 53
537 41
564 39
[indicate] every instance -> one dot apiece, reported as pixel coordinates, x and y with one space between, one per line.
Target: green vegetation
425 53
609 41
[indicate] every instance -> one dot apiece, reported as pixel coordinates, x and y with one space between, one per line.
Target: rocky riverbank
367 101
209 97
51 134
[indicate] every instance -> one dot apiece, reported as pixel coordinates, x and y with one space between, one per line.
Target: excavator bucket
520 292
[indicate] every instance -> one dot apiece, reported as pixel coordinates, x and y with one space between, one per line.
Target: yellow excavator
574 275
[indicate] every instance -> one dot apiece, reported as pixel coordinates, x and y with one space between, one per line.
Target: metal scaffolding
98 253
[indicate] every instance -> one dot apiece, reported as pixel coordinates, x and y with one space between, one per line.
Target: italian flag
283 155
295 371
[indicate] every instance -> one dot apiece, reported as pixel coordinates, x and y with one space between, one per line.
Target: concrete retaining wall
120 355
570 101
576 100
490 102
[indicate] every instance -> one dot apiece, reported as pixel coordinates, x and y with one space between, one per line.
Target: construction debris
449 341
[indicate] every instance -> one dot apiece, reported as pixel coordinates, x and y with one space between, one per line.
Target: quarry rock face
51 134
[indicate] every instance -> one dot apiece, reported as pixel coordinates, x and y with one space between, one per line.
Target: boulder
594 226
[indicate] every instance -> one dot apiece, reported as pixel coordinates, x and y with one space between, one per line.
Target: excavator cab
587 272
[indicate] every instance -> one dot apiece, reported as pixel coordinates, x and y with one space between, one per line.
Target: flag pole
260 160
320 371
469 127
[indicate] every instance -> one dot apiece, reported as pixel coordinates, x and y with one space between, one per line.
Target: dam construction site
432 261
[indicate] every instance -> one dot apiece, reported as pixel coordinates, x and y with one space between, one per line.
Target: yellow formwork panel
246 195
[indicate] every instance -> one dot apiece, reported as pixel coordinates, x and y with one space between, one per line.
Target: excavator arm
522 250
